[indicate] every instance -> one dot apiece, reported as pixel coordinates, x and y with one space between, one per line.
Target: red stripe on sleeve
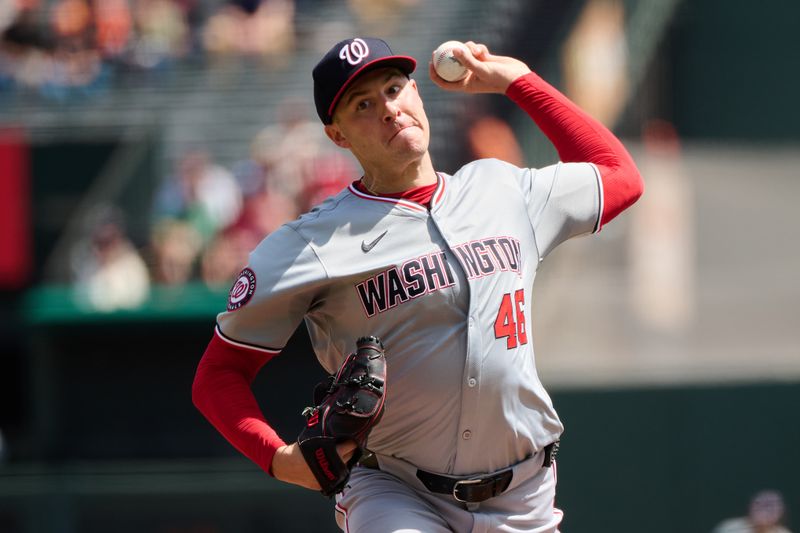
580 138
221 391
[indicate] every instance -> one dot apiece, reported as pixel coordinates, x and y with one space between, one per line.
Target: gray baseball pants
393 500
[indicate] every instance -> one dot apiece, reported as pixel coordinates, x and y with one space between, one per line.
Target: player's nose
390 111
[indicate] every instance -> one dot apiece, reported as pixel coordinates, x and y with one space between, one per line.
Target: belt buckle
475 481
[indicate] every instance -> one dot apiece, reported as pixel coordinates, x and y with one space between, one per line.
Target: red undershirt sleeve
221 391
580 138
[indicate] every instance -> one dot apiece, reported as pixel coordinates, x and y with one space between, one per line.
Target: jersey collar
437 196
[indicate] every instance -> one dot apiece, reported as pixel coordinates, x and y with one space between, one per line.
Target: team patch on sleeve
242 290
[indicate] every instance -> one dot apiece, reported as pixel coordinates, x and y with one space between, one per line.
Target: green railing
63 304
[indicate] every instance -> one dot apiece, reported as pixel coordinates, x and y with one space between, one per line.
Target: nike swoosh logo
367 247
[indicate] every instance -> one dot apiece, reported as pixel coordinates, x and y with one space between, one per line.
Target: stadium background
670 342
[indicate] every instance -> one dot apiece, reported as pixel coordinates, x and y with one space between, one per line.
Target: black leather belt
477 488
469 490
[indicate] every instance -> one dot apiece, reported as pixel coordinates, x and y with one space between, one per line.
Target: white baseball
446 65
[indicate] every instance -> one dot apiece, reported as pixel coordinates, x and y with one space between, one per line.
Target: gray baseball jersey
448 290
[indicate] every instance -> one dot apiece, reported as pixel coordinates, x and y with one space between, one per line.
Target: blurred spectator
330 173
287 151
175 246
380 17
114 27
263 28
193 14
250 176
765 515
492 137
109 273
202 194
76 70
191 208
226 256
264 211
661 246
595 60
162 33
72 20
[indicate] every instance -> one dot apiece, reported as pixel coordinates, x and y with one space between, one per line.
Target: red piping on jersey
271 351
437 196
580 138
602 198
343 510
221 391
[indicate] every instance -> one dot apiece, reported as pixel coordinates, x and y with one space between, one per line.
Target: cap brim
406 64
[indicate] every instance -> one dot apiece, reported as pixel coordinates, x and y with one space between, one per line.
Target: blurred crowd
207 218
63 48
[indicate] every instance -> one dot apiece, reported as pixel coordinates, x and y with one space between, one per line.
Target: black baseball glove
348 405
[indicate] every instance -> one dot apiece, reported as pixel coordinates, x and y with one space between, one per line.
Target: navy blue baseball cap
345 62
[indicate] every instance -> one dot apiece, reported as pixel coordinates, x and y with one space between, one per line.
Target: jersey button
472 382
466 435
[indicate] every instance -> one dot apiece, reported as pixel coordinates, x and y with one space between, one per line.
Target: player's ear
335 134
413 83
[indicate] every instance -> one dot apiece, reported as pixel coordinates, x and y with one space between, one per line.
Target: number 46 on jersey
510 321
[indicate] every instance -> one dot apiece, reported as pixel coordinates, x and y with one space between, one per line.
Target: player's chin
408 152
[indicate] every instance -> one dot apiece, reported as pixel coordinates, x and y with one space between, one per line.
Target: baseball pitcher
415 287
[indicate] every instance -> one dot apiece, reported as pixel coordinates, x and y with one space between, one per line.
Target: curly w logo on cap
355 51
